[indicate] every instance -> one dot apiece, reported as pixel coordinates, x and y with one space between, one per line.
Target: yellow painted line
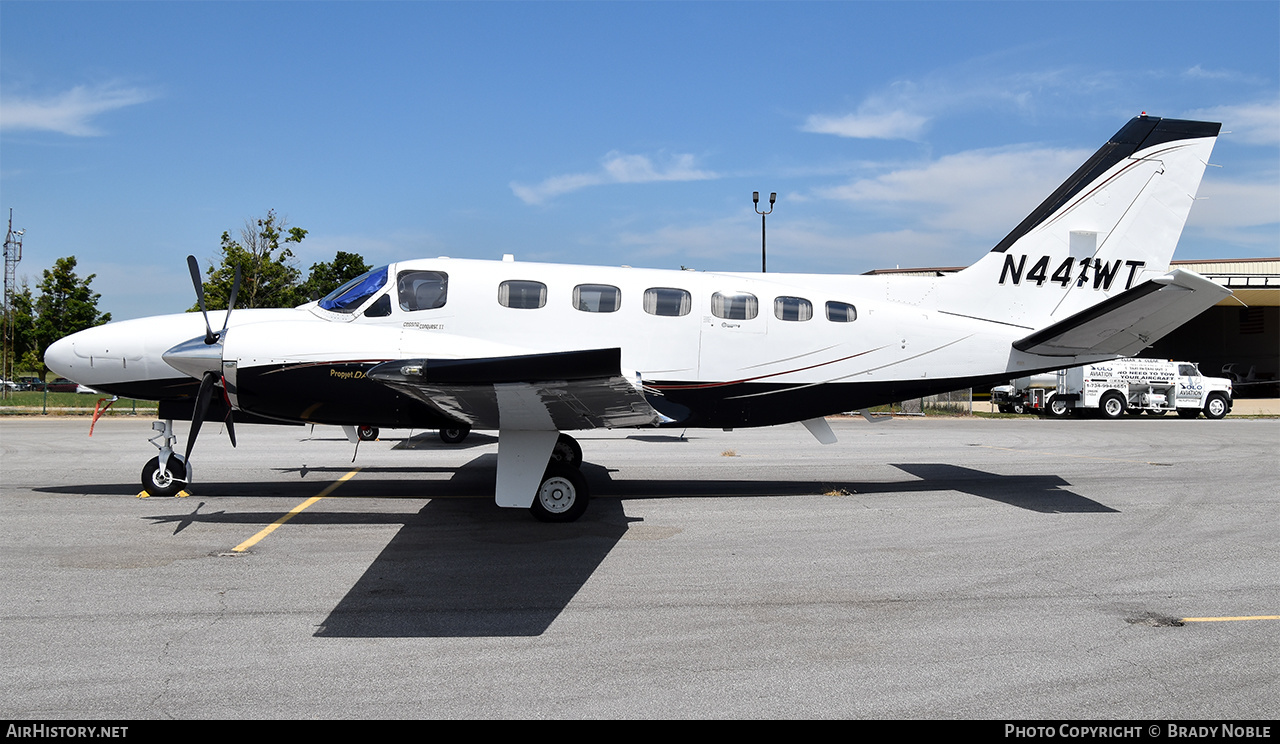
1228 619
292 513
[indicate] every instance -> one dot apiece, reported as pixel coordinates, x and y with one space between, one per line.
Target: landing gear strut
168 473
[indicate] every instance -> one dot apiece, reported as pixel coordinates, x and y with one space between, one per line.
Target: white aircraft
533 350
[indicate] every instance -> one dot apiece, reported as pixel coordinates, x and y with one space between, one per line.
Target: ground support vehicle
1119 387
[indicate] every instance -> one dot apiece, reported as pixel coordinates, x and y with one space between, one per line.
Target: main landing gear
562 495
454 435
168 473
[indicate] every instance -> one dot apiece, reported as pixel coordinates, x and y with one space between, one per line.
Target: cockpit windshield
349 297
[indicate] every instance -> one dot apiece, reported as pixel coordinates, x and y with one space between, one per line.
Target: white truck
1121 386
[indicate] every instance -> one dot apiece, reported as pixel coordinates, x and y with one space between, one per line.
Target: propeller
210 379
210 338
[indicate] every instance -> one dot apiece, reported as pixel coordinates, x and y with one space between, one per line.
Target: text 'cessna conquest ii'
533 350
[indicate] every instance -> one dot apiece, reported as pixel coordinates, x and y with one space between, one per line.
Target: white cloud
904 108
1233 204
1250 123
1200 73
70 112
616 167
887 125
979 192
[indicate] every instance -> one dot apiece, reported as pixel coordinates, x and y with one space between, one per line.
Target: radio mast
12 255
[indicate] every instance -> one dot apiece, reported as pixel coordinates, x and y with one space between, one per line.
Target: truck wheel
1057 408
1112 405
1017 408
1215 407
1157 411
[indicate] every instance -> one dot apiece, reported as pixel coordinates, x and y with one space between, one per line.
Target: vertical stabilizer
1109 227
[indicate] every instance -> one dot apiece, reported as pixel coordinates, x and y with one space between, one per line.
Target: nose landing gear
168 473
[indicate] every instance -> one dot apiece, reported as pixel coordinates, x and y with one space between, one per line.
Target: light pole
755 199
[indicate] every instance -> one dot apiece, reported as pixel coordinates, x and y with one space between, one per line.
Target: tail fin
1109 227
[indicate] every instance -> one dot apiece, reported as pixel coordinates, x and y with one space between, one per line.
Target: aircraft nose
60 357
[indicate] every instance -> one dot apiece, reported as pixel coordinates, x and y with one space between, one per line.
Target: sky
895 133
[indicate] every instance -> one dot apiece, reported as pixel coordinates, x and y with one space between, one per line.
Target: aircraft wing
1129 322
558 391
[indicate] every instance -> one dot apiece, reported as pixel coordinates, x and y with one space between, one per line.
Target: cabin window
792 308
841 312
734 305
597 298
522 295
349 297
667 301
422 290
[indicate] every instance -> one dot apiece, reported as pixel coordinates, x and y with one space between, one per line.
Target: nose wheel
166 480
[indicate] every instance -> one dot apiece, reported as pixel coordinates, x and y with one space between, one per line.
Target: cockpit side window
422 290
349 297
380 308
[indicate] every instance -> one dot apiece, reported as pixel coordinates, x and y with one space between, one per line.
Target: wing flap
561 391
1129 322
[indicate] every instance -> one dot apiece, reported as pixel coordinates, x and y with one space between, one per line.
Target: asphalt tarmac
919 568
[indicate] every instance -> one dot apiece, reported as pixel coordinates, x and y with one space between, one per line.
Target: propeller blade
194 266
202 407
231 426
235 289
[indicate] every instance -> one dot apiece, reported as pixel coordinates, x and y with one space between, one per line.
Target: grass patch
23 401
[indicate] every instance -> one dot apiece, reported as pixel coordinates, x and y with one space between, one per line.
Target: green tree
66 304
268 276
326 277
21 313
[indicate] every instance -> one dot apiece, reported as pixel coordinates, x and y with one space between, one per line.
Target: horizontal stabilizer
561 391
1128 322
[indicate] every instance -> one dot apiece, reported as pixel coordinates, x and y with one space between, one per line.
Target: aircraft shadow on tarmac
462 567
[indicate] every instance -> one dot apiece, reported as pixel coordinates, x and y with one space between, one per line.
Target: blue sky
896 134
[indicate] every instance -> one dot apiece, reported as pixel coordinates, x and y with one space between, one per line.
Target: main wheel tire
166 482
1215 407
1057 408
1188 413
454 435
367 433
567 452
1112 405
562 495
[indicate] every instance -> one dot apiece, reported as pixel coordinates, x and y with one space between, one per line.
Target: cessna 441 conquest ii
533 350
